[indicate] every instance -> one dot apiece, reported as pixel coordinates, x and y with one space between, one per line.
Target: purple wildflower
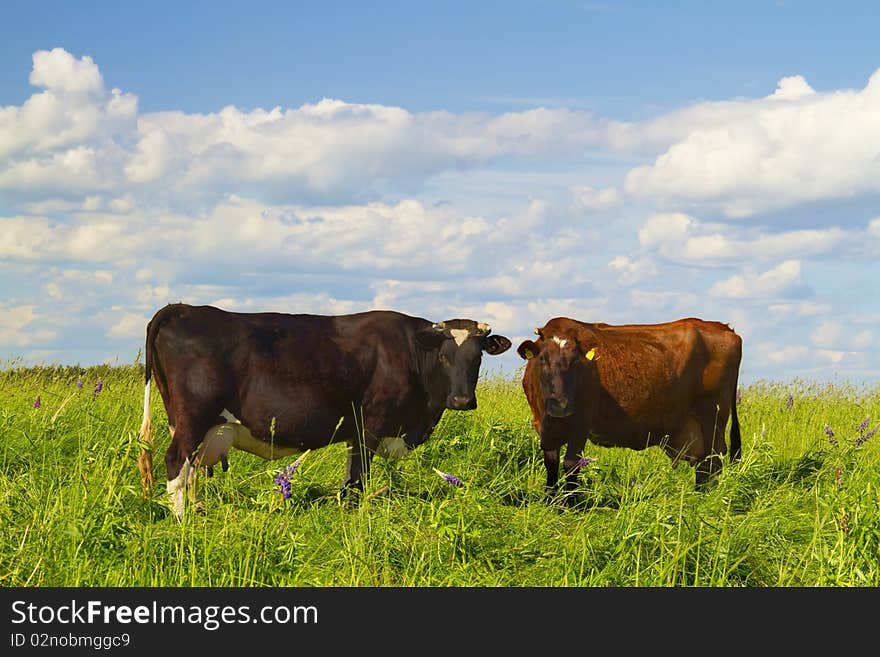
98 388
450 479
282 479
864 424
585 461
866 437
830 433
79 383
789 402
37 402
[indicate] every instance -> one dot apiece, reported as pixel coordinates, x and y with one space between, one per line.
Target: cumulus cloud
17 326
56 129
632 270
792 146
799 309
75 135
828 334
682 238
833 335
129 325
588 198
334 207
778 281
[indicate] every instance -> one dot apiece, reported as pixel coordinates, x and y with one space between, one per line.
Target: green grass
796 511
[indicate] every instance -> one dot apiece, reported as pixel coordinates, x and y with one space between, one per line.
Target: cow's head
560 358
454 350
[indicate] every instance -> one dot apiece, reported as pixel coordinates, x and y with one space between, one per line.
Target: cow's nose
462 402
559 408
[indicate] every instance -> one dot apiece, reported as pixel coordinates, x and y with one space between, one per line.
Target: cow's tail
735 437
145 439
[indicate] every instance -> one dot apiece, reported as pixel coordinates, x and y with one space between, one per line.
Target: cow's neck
433 381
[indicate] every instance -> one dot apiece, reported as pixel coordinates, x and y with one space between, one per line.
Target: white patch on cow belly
392 448
216 443
245 441
560 341
459 335
240 437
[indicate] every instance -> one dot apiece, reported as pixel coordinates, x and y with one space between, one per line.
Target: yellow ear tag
529 354
591 354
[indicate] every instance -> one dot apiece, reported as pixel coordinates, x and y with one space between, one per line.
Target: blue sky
504 161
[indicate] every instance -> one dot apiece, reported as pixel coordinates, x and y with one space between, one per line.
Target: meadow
801 508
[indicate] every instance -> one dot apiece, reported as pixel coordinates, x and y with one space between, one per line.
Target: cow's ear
430 338
495 344
527 349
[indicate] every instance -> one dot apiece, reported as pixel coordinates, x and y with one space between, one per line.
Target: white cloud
72 114
16 326
799 309
828 334
684 239
633 270
336 207
588 198
665 228
670 304
795 145
129 325
863 340
60 71
787 355
773 282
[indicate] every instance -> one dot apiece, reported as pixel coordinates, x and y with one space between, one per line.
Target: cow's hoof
348 498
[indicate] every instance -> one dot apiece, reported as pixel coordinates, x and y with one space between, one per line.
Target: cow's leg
686 443
551 464
714 421
570 465
361 449
551 441
179 465
357 469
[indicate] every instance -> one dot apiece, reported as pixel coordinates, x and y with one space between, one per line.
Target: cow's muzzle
461 402
559 408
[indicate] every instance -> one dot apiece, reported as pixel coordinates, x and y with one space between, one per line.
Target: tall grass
797 510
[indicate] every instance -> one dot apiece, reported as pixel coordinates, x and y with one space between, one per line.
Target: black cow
276 384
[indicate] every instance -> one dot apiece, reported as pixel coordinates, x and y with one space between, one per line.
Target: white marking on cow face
459 335
392 448
560 341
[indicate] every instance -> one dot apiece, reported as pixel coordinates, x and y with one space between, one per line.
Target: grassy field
799 509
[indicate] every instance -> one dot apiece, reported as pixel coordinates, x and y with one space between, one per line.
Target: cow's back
287 377
644 378
654 373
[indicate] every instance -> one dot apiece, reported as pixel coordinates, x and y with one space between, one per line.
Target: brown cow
633 385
